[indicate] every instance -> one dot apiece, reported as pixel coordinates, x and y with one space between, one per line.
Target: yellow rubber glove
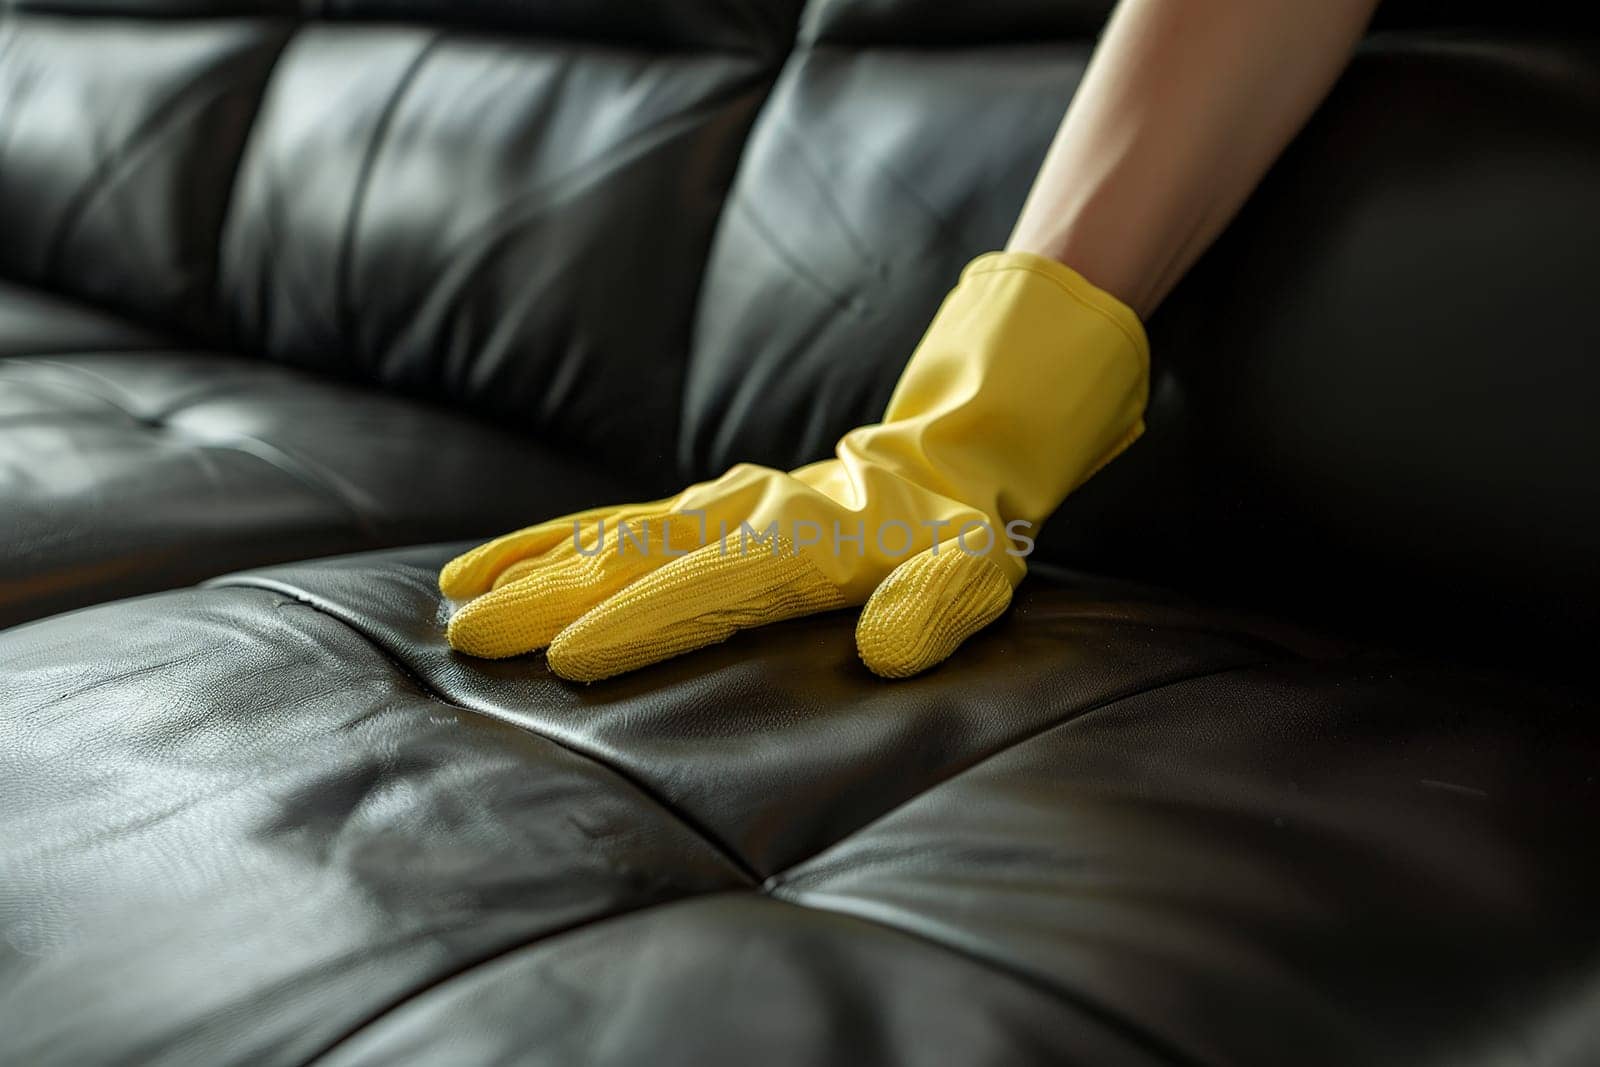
1027 382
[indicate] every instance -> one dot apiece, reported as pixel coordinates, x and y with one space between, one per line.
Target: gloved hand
1027 382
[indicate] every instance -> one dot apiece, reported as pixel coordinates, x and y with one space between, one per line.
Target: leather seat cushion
34 323
276 816
125 473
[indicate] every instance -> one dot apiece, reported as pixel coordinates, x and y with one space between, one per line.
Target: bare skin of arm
1183 108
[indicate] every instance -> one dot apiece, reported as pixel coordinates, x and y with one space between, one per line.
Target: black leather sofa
1287 752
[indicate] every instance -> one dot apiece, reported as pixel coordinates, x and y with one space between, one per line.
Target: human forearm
1184 107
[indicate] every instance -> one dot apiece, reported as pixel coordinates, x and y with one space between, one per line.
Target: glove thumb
927 606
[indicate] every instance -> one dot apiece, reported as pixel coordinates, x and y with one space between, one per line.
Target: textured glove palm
1028 381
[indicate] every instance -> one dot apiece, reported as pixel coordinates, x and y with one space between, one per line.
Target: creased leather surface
247 864
118 143
1375 862
479 220
124 473
792 986
1119 828
849 749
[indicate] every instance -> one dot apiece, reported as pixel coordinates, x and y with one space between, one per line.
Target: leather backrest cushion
765 26
968 22
1378 388
118 143
1381 384
518 225
950 22
760 26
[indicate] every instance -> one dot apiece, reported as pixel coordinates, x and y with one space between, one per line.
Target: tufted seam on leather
125 406
1105 1016
730 202
344 306
1131 693
1125 1027
259 448
320 482
489 960
249 580
421 684
236 171
114 397
206 394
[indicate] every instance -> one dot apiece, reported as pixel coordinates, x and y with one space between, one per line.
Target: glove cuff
1075 285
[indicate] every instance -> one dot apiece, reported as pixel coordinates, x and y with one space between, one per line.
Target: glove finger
475 572
926 607
588 537
698 600
522 615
